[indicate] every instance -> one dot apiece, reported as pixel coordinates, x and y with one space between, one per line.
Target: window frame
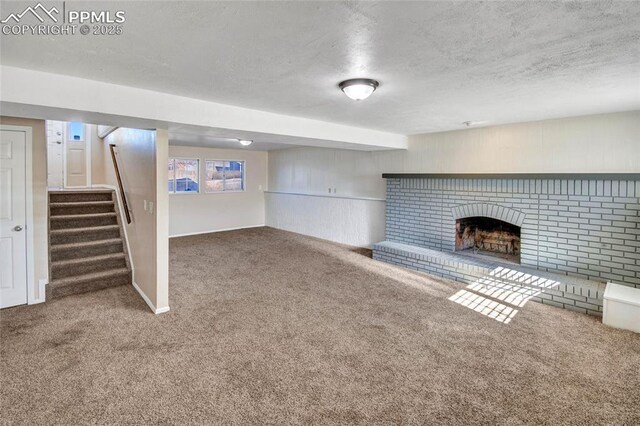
69 132
199 174
244 176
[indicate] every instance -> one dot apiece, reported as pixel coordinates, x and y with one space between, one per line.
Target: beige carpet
272 327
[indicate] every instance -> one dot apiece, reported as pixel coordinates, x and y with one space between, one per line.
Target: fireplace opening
485 236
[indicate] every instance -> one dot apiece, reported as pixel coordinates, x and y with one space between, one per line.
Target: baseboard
162 310
41 292
148 302
216 230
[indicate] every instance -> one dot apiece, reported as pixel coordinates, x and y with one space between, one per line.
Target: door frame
31 296
62 150
88 140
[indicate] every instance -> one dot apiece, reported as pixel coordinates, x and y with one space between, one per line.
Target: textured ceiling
439 63
227 139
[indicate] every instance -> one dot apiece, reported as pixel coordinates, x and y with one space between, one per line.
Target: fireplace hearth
485 236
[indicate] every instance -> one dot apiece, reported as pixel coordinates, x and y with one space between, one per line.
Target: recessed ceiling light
245 142
358 88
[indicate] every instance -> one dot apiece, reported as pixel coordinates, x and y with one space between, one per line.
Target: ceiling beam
30 92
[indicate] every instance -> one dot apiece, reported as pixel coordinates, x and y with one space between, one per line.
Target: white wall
98 160
142 159
195 213
589 144
55 154
162 221
347 220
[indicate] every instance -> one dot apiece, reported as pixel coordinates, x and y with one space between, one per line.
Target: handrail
122 194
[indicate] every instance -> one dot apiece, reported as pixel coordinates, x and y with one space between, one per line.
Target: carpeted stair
87 251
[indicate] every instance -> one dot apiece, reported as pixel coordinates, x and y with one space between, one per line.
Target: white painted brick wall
583 228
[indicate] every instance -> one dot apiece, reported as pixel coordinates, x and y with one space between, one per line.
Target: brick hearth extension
500 281
578 232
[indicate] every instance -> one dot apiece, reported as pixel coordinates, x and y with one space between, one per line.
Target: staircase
87 250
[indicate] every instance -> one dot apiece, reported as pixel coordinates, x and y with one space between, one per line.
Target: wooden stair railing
120 186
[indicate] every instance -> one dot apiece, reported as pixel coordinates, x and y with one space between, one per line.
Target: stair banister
120 186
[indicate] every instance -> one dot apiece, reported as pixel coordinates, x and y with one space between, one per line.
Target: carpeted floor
272 327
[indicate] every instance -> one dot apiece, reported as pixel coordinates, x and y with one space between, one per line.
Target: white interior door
13 216
55 159
76 140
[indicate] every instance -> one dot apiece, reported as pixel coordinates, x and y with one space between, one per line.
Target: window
75 131
224 175
183 175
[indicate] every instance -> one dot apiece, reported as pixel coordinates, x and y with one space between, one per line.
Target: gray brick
576 309
588 306
575 297
553 303
606 222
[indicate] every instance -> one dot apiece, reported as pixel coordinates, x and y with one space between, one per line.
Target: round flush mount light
358 88
245 142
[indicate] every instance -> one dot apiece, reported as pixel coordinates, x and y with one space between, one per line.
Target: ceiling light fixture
245 142
358 88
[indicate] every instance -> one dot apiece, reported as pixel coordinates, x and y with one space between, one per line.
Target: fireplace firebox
485 236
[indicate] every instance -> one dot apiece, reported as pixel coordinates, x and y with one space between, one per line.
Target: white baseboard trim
41 292
148 302
212 231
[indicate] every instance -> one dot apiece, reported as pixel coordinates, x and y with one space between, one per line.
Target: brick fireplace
574 225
